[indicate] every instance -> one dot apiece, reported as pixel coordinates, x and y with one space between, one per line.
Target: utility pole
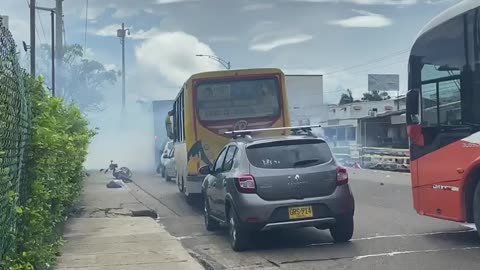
52 29
32 38
59 36
121 33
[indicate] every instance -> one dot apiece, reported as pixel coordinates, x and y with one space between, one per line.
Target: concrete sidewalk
105 235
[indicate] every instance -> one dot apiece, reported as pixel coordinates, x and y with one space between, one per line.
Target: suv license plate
300 212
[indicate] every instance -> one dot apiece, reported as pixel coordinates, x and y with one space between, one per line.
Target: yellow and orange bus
211 103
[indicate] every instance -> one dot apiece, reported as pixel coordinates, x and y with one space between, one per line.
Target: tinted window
230 100
289 154
443 66
219 162
227 165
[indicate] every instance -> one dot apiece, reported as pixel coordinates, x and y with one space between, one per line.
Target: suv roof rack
296 130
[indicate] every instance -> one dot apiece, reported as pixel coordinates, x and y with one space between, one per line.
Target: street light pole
224 63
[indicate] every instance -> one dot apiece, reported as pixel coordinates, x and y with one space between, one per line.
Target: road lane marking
394 253
409 235
393 236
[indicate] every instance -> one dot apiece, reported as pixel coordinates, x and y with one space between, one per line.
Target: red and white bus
443 115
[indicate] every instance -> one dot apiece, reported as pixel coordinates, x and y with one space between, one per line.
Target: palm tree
346 98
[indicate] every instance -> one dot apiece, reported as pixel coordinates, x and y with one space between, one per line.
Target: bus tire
476 208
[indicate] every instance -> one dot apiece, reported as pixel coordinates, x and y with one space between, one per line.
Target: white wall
305 98
359 109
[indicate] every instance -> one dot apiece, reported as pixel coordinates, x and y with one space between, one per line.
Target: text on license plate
300 212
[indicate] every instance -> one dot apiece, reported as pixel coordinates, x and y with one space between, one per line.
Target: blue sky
331 37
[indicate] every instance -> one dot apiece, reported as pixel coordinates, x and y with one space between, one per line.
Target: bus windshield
240 99
444 66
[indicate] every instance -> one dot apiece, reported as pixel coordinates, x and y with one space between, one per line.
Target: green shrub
60 137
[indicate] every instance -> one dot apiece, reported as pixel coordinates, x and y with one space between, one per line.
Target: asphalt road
388 232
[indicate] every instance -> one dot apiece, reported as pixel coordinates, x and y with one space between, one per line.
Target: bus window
229 100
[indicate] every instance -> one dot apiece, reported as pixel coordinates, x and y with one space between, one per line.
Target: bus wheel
476 208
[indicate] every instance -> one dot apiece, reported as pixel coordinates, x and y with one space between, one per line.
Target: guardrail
373 157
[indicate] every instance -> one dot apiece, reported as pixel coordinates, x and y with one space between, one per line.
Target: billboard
305 99
383 82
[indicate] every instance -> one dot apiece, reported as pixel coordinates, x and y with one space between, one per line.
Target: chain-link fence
15 127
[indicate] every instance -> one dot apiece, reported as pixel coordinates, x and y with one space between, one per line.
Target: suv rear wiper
305 162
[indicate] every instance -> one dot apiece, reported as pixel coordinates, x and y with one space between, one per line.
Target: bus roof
450 13
228 73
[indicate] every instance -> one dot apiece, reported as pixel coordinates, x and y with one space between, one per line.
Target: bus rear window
289 154
241 99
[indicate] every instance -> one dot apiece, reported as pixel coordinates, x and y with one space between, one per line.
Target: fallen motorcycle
122 173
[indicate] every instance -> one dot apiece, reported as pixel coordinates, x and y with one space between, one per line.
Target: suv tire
210 223
239 238
163 171
476 207
342 230
168 178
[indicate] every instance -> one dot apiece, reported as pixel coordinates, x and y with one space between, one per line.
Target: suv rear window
289 154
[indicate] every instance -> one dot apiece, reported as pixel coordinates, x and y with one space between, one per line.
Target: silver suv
280 182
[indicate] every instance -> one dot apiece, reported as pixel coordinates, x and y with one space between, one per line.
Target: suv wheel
210 223
163 171
342 230
476 208
168 178
239 238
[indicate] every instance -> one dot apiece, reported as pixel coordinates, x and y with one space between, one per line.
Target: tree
346 98
375 95
81 80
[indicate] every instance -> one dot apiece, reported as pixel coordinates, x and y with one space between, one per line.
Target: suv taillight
342 176
246 184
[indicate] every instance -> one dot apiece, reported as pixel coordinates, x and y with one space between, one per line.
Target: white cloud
172 55
144 34
107 31
365 19
266 42
111 31
111 67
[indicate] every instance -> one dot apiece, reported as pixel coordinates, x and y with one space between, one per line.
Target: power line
41 24
380 59
36 29
358 74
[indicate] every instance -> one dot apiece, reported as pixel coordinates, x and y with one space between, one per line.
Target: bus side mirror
412 108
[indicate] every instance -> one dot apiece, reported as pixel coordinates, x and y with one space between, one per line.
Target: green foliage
81 80
375 95
346 98
60 137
